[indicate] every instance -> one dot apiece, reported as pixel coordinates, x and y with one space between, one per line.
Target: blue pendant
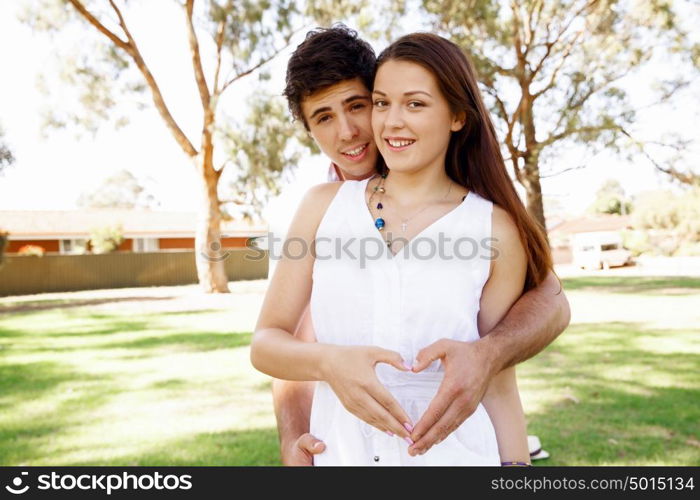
379 223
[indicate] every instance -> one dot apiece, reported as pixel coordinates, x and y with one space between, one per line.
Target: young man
328 81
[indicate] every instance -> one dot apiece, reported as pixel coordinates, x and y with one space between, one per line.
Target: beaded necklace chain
379 222
379 188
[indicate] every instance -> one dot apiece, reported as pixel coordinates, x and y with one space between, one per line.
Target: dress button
376 458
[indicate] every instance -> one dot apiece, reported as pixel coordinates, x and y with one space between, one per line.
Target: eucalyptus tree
6 156
227 41
554 73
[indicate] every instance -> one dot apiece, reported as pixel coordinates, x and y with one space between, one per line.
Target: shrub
31 250
4 237
671 220
106 239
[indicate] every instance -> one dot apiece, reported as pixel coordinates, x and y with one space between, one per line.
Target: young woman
435 248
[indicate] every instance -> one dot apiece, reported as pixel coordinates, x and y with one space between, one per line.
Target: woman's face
411 119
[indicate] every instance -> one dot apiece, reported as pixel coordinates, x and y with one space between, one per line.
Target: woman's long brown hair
473 157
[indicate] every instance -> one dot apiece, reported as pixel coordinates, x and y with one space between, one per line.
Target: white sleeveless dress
363 295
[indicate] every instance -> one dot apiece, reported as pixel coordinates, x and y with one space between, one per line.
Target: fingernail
408 440
408 427
390 433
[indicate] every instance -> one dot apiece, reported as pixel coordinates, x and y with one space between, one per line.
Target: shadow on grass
32 381
265 387
34 440
243 448
41 305
116 325
645 285
170 384
615 427
39 401
614 400
198 341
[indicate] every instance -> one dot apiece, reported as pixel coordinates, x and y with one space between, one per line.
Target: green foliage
121 190
4 238
671 219
637 242
665 209
106 239
611 199
100 75
377 20
563 62
6 156
103 85
259 153
94 74
254 28
688 249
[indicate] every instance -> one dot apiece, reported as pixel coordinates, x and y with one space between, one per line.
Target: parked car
599 250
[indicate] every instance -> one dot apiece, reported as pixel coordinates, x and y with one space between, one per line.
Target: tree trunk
531 170
208 253
531 181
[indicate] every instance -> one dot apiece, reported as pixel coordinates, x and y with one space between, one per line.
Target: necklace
404 222
379 222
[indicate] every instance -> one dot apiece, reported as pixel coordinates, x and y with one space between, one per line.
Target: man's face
340 121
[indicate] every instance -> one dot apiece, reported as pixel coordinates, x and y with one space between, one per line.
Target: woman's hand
467 373
349 370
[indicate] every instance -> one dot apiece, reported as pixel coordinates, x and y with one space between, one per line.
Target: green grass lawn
82 384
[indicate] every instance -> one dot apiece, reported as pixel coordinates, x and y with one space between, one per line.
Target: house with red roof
563 234
68 231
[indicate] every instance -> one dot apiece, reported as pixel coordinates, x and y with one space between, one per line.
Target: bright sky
52 173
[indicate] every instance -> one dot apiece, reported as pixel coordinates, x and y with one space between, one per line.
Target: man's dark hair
327 56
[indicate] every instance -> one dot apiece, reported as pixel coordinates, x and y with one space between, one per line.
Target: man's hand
467 375
300 453
349 370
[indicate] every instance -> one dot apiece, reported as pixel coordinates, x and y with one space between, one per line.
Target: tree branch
122 23
514 157
578 167
581 130
667 95
219 40
100 27
196 57
491 90
565 55
532 27
689 178
517 42
262 62
131 48
252 69
236 202
597 88
549 45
